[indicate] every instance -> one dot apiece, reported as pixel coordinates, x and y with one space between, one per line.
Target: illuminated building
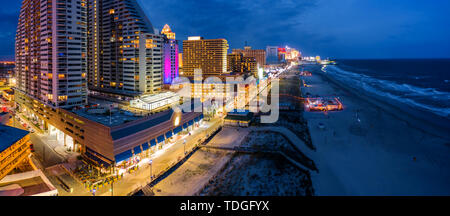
234 62
180 60
272 55
51 60
251 66
170 55
241 119
168 32
125 52
210 55
237 63
61 46
6 73
259 55
155 102
102 138
14 148
233 92
281 55
292 54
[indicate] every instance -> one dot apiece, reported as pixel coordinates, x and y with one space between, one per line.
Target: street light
151 176
112 182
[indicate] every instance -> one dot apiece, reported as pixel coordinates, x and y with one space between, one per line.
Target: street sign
150 162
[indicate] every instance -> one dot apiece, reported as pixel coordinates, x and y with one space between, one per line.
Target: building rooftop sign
195 38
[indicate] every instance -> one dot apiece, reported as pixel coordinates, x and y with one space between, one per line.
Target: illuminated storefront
130 158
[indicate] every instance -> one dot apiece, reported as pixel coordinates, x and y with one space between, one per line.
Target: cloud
261 22
345 28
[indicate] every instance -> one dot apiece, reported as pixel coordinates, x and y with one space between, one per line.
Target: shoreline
371 148
435 124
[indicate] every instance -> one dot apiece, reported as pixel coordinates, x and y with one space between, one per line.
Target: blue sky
339 29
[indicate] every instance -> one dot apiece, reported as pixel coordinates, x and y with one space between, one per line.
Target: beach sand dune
364 150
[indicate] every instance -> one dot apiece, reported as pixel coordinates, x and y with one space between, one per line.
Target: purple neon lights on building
170 61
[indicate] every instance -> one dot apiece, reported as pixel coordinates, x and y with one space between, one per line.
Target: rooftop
103 116
9 136
157 97
239 116
124 132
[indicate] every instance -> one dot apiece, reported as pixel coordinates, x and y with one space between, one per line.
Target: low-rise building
239 118
105 136
14 148
155 102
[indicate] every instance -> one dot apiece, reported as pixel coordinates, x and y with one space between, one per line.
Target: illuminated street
138 98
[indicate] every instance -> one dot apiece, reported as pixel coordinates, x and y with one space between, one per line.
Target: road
46 155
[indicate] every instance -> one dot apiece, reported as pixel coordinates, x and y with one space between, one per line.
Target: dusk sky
330 28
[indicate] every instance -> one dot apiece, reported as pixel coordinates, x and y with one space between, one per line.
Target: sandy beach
196 172
371 148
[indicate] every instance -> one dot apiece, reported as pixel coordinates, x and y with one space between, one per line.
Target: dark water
420 83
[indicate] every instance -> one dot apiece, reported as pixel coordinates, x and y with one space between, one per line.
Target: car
32 148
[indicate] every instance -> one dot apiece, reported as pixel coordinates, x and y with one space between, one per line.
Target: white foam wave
400 92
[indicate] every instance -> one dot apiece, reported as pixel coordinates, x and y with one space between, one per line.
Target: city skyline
400 29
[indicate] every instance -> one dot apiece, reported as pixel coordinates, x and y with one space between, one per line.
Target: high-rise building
234 62
238 63
272 55
250 66
63 45
170 55
259 55
125 52
210 55
180 60
281 55
51 63
167 31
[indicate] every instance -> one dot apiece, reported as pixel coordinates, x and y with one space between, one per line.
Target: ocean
420 83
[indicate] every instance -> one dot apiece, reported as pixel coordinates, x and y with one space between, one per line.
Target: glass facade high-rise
272 55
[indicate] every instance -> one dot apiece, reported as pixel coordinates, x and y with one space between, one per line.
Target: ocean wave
429 99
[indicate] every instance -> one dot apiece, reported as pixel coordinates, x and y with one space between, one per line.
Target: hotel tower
125 52
64 47
210 55
171 55
51 52
259 55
